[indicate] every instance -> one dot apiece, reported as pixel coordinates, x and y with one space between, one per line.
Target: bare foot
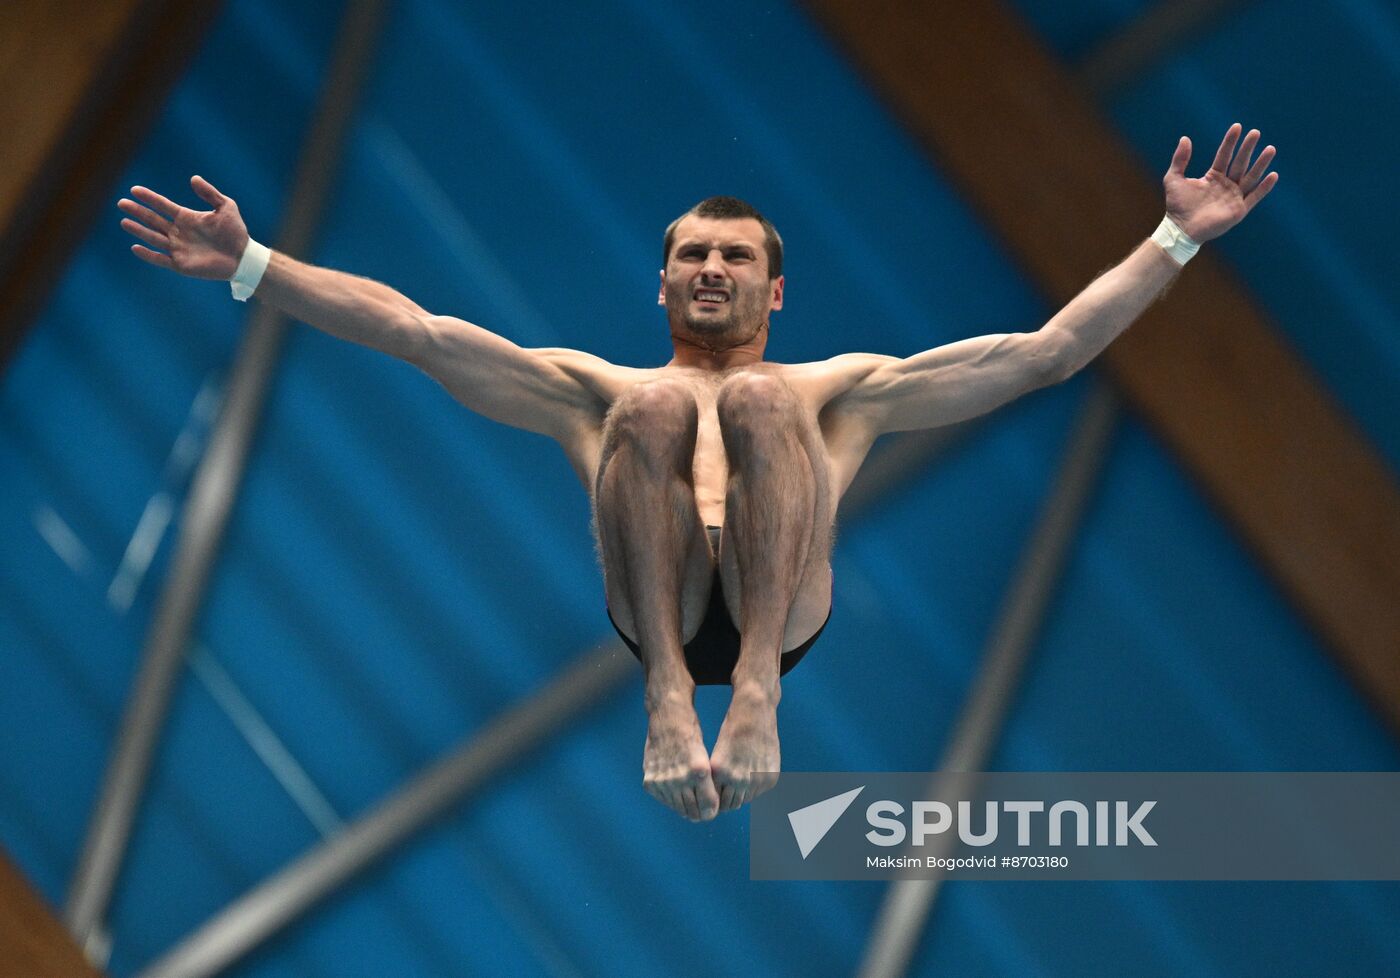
746 760
675 767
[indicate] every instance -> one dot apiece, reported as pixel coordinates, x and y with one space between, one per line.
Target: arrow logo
811 824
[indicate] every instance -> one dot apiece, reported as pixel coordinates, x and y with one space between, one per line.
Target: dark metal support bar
1146 41
900 922
212 494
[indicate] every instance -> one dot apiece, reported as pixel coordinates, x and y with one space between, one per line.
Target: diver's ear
661 296
777 285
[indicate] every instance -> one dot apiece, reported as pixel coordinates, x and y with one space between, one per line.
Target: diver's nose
712 272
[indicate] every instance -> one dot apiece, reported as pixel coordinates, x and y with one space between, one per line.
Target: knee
757 403
655 414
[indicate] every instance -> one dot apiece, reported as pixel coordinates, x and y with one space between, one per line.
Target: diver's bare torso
844 438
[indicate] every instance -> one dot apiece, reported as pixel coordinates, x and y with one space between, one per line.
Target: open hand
201 244
1210 205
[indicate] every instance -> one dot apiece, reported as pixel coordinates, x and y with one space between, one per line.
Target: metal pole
908 902
212 493
900 921
285 896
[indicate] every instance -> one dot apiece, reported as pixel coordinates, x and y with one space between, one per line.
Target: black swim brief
712 654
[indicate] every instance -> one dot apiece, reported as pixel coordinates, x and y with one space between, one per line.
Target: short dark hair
731 208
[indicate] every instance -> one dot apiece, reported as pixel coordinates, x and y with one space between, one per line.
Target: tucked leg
657 568
778 524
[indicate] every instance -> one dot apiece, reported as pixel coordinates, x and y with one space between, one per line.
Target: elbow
416 337
1060 370
1054 360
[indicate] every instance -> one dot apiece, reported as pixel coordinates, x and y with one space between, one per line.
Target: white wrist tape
250 270
1175 241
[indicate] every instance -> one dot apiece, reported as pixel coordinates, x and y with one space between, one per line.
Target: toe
708 798
741 796
726 798
690 807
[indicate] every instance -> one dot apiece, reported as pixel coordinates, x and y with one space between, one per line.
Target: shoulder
844 365
604 379
828 382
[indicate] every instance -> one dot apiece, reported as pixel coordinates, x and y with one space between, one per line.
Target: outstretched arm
208 245
530 389
964 379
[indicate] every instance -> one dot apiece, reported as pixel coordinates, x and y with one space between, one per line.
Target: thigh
697 577
698 559
812 600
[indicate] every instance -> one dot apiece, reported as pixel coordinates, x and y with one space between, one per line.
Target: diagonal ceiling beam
288 894
894 938
1285 465
80 82
213 491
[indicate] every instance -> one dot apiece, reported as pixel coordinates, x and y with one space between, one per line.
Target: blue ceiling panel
398 572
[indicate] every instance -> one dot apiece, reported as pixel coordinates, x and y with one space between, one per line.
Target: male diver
715 478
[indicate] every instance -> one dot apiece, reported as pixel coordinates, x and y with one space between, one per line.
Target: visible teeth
712 296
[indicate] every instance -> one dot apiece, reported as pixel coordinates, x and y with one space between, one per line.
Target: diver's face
715 285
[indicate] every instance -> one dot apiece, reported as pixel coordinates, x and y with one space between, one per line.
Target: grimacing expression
715 286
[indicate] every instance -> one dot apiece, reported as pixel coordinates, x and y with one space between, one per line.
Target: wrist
1174 241
251 267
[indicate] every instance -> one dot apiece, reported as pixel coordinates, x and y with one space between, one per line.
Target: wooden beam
1288 468
80 83
33 942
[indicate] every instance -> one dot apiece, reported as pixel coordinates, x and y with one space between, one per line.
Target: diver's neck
688 353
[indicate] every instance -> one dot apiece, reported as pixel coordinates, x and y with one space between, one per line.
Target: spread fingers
145 215
1241 159
154 200
151 238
